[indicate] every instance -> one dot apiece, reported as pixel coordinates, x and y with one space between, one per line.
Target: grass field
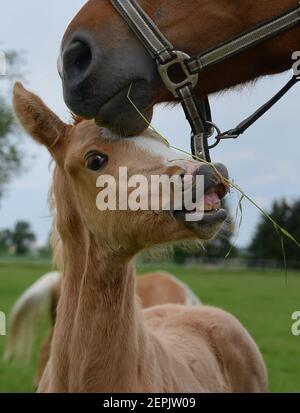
262 301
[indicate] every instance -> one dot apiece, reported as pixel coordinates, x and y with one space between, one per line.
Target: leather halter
198 112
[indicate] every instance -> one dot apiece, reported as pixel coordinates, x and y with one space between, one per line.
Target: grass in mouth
282 232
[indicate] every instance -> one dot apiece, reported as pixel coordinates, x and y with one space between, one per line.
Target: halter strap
242 42
166 57
141 24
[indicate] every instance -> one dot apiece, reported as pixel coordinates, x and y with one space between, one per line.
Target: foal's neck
106 331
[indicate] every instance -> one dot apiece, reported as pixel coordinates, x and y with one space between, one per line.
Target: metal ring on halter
179 59
219 134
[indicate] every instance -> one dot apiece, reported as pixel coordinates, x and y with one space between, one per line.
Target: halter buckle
179 59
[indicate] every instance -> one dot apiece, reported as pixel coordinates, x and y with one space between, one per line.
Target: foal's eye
95 161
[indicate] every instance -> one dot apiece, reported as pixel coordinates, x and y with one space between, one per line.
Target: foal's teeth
210 207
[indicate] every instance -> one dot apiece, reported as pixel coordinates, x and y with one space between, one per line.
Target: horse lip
128 121
219 188
115 94
214 216
209 219
180 215
118 91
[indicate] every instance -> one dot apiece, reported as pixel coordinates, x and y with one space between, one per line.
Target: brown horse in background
101 57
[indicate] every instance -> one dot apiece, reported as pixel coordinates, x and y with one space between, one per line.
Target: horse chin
124 118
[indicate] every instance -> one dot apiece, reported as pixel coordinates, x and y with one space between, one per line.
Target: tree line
10 152
266 242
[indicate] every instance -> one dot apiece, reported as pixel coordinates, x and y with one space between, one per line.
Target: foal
103 341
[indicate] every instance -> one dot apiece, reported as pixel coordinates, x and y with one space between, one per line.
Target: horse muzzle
114 88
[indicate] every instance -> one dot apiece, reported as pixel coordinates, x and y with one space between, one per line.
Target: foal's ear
37 119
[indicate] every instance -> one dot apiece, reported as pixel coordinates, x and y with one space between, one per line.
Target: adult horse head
101 58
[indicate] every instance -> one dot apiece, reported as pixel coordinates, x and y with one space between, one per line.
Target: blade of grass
238 209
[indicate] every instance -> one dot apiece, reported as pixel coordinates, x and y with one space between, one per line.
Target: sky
264 162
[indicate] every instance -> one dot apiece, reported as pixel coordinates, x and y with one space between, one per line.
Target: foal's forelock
55 240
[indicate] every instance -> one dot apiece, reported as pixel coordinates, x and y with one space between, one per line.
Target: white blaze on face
153 144
150 142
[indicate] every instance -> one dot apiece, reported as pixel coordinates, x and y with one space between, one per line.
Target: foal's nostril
77 58
222 170
210 174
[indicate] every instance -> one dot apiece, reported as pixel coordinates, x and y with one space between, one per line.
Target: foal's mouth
211 208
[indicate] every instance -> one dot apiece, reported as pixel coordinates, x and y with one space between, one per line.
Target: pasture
262 300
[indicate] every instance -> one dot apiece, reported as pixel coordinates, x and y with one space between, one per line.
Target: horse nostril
77 59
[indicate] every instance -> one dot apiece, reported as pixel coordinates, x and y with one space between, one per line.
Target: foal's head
88 177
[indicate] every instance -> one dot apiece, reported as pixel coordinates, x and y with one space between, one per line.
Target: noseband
197 111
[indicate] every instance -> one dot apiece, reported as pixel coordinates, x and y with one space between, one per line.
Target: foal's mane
55 240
